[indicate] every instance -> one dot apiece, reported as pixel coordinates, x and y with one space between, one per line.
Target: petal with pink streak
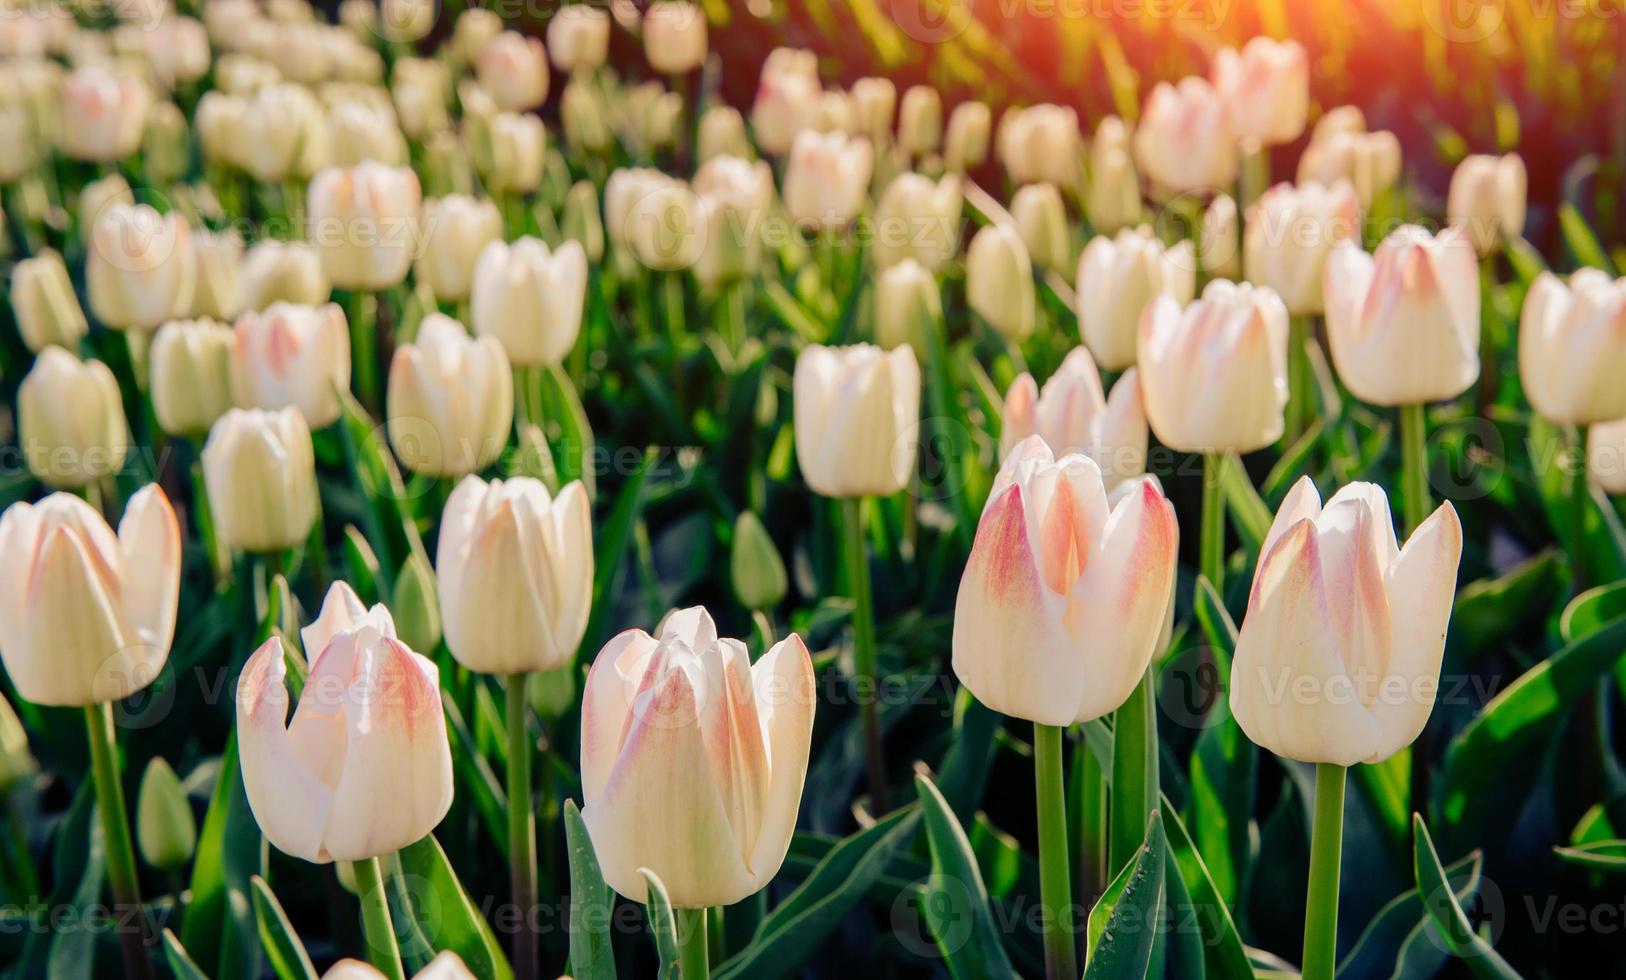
785 692
289 803
607 699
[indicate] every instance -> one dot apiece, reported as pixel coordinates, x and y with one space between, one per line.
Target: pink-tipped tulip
1488 199
292 357
1072 415
1266 87
1184 142
1291 231
1572 347
857 418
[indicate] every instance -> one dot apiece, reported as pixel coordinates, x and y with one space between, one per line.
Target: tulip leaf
361 565
1124 924
1591 610
1182 945
1582 242
610 548
1399 940
179 962
1248 510
1135 777
218 929
591 904
1225 957
388 520
283 948
1224 763
72 951
1454 928
801 924
1601 855
662 924
436 898
1486 611
563 408
955 903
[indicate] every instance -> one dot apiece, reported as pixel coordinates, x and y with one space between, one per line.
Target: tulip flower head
918 218
1040 142
283 272
1064 597
1606 455
456 228
733 198
70 420
578 37
1118 278
259 468
190 361
364 223
1185 142
44 303
857 418
920 120
908 304
103 110
1291 231
999 281
722 133
1266 88
1221 252
787 98
674 36
1112 198
292 356
141 270
1369 161
875 100
1338 658
1487 199
514 69
530 298
685 727
1072 415
1041 220
827 178
1572 347
965 142
451 399
364 767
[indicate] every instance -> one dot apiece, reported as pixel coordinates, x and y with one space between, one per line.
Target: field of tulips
487 495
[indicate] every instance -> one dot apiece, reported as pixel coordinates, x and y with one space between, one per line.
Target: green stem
121 866
363 346
521 826
694 962
1326 851
1211 552
376 927
1055 874
1298 379
1580 495
1092 851
852 519
1414 465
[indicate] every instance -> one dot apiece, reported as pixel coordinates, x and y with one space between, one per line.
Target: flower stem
1055 874
694 962
376 926
864 650
361 313
1414 465
121 866
1093 845
521 827
1326 851
1298 379
1579 495
1212 551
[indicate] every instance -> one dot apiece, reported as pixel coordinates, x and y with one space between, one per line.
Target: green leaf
282 944
575 439
73 949
613 537
955 903
1224 955
1591 610
1583 244
1602 855
1488 610
218 929
662 923
591 904
1134 772
179 962
443 910
1225 762
803 922
1183 946
1249 511
1122 943
1399 940
1441 901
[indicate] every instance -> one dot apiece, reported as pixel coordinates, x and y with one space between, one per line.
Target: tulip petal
785 693
1019 420
75 635
342 609
1303 502
1121 437
607 698
289 803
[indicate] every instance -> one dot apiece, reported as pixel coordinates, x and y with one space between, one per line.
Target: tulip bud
517 153
908 303
787 99
164 146
582 117
1112 202
1040 143
364 224
1404 322
1572 347
71 420
965 145
1184 142
1055 564
365 768
578 38
191 376
919 219
360 130
874 101
1338 658
16 761
1041 220
728 804
103 110
166 830
44 304
1487 199
219 258
475 27
1266 88
1291 231
722 133
1214 375
417 609
530 299
1072 415
292 356
674 36
450 401
455 228
920 120
516 574
734 195
259 469
826 179
999 281
406 21
857 419
1369 161
282 272
755 566
284 133
580 221
1118 278
1221 254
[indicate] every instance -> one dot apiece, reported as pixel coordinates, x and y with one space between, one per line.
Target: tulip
283 133
1266 88
455 230
1221 254
1215 374
857 419
578 38
965 143
582 117
518 147
451 400
920 120
674 36
166 149
875 99
287 272
722 133
1369 161
219 258
834 113
1184 142
364 224
103 110
580 221
1112 200
918 219
1487 199
359 130
219 125
475 27
1291 231
177 50
92 614
259 470
826 179
191 375
1040 143
98 196
999 281
734 195
1572 347
242 74
406 21
44 304
908 303
1072 415
514 69
1606 455
71 420
786 100
418 88
140 267
1117 279
530 299
1041 220
292 356
649 117
665 226
755 568
1404 322
687 727
165 827
364 769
